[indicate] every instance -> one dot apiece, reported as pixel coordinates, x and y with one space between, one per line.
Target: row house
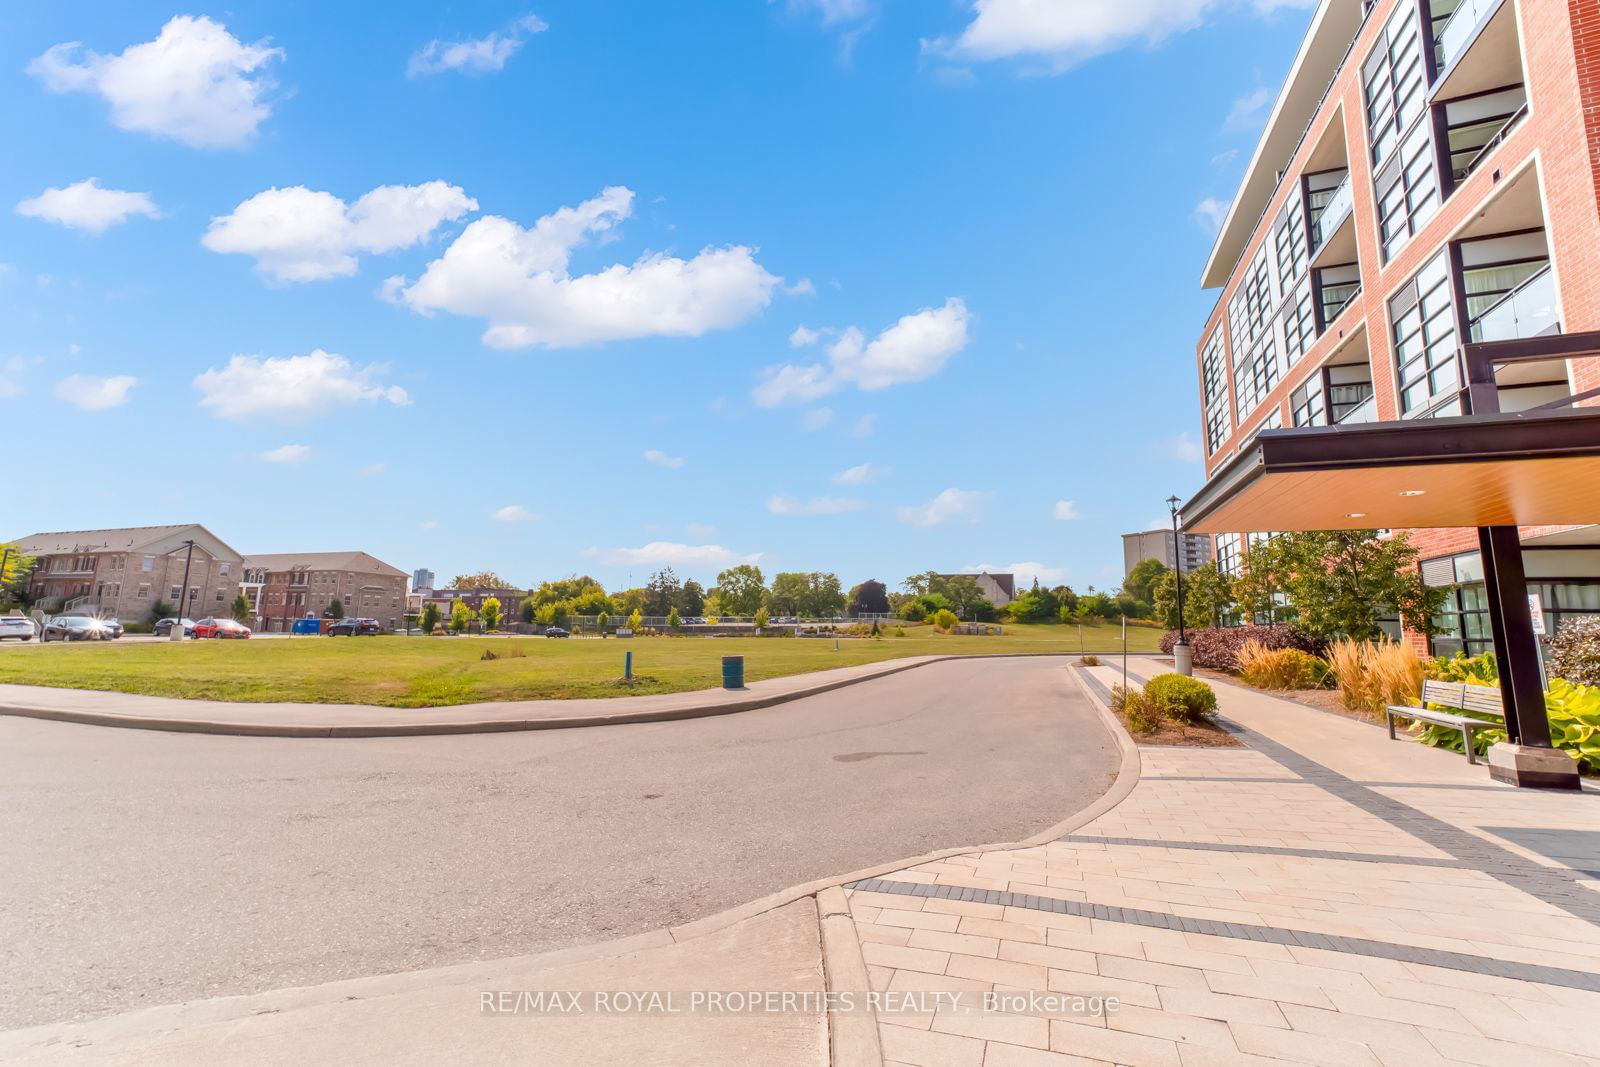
124 573
301 585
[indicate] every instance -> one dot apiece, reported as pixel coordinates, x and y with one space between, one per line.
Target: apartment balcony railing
1459 30
1462 172
1335 211
1526 311
1366 411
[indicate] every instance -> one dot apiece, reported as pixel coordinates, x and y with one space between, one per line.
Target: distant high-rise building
422 578
1159 544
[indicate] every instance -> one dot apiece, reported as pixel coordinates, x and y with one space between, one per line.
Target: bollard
627 665
733 672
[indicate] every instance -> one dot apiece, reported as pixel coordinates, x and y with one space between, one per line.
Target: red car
220 628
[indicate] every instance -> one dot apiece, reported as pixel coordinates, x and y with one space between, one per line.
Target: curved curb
470 726
853 1039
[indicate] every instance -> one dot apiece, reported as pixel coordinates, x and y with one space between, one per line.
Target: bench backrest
1479 698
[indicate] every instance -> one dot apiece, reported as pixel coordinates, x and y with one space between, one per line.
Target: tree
824 596
430 618
14 575
741 589
490 613
460 615
963 592
335 609
1346 581
526 609
481 580
761 619
712 608
869 598
673 619
693 598
1258 588
601 621
923 584
631 601
635 621
239 610
788 593
1207 597
161 610
663 591
1141 582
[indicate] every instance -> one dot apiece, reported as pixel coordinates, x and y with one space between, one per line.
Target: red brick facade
1557 146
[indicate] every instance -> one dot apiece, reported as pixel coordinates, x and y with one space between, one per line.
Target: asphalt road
144 868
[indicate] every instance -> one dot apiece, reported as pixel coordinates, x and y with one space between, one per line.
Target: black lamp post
183 594
1182 661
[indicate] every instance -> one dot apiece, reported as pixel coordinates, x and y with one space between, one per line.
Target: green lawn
408 672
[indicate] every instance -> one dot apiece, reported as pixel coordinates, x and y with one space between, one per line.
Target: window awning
1531 468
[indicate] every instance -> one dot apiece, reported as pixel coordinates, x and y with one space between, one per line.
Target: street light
1182 657
183 594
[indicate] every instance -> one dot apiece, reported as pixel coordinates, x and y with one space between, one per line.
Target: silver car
19 626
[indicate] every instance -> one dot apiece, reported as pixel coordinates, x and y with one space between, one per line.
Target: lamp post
1182 657
176 633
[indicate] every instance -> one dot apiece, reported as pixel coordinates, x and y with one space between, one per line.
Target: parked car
220 628
355 628
555 631
18 626
164 627
72 628
112 628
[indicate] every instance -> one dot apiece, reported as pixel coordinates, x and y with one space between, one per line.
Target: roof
1006 582
1530 468
360 562
1322 53
154 539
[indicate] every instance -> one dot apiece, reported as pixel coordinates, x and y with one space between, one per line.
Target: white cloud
475 55
301 235
89 393
372 470
803 287
803 337
513 513
1185 448
948 506
518 279
834 11
1024 573
670 553
87 205
195 83
864 426
428 524
1210 213
1065 510
816 419
860 474
1063 34
661 459
288 454
291 388
1245 114
817 505
916 347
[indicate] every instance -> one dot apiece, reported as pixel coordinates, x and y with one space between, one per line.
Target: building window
1337 287
1306 402
1254 378
175 594
1393 80
1408 190
1228 553
144 591
1290 242
1424 327
149 564
1464 622
224 569
1299 321
1214 387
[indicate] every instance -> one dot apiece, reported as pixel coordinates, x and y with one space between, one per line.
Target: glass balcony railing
1527 311
1366 411
1335 211
1458 31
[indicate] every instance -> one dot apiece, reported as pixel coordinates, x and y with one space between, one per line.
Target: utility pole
1182 658
183 593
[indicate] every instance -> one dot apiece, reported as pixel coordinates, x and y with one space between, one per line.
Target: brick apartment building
299 585
123 573
1429 178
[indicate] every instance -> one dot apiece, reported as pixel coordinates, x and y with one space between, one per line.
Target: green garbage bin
733 672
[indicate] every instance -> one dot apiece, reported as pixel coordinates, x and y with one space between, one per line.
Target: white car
17 626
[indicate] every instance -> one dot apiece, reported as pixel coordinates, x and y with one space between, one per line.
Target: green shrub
943 619
1574 713
1181 699
1140 713
1575 651
1474 670
1089 661
1280 668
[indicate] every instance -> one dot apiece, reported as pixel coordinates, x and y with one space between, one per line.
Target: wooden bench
1482 699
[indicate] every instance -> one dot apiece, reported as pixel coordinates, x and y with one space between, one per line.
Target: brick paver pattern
1255 905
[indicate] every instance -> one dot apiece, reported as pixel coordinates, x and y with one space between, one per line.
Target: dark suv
355 628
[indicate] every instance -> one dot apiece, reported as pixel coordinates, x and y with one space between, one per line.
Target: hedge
1217 648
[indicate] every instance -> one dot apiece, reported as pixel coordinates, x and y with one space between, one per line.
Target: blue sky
848 285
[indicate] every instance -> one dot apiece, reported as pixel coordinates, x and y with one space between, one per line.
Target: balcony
1333 232
1529 310
1366 411
1335 211
1477 50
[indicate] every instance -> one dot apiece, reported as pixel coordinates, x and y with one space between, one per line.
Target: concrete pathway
1322 896
98 708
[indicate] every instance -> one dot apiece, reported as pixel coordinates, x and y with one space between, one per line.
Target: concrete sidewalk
99 708
1324 895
